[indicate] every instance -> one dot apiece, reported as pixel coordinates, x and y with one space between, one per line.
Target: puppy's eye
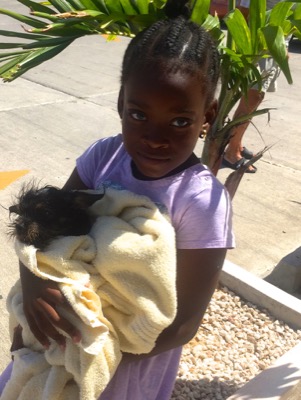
49 214
43 215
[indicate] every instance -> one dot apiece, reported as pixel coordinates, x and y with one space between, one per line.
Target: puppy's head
41 214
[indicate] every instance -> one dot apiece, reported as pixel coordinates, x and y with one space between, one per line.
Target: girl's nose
155 139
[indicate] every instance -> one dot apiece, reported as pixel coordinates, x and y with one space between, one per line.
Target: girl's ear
120 102
210 115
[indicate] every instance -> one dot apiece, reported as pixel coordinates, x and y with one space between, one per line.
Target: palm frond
55 24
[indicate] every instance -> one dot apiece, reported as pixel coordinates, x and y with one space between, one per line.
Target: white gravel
235 342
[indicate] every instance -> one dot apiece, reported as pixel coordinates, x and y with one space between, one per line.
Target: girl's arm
74 182
197 277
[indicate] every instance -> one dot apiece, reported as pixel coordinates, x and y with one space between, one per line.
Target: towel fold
119 280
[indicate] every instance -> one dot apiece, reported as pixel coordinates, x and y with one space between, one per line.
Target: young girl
169 76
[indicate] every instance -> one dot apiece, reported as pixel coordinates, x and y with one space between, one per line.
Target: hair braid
174 35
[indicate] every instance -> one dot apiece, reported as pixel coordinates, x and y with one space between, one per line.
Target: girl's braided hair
177 44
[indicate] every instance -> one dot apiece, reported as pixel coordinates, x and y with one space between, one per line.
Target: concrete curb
280 304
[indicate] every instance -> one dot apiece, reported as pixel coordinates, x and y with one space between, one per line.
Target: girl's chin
156 168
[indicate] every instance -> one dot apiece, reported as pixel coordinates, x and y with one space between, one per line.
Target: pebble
235 342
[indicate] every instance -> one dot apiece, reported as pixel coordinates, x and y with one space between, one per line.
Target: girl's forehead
173 92
154 80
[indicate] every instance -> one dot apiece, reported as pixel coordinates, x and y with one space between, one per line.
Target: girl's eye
138 115
180 122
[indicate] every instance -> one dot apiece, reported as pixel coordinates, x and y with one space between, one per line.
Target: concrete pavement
50 115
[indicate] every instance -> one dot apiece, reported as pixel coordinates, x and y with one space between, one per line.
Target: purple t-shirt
200 211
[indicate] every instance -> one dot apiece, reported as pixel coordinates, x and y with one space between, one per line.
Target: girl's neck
192 160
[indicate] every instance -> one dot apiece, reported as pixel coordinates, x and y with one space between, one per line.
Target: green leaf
295 20
140 6
256 21
48 42
50 17
276 44
30 36
200 11
297 24
11 64
239 31
279 13
77 5
255 77
61 5
36 6
141 21
64 29
114 6
212 25
26 20
159 3
11 45
90 5
107 21
128 7
297 12
38 56
101 6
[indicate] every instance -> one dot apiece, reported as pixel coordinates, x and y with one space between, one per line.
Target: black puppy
47 212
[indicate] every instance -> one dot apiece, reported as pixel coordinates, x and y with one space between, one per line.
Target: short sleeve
97 159
206 219
86 164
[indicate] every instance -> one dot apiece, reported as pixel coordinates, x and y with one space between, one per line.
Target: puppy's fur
45 213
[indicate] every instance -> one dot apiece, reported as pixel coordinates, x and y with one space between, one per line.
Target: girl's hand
40 298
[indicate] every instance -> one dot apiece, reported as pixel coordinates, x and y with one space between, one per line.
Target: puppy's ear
14 209
84 200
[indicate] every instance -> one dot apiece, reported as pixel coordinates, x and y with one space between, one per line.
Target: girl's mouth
153 157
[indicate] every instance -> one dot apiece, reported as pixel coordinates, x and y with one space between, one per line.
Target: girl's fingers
54 296
39 334
42 301
56 320
42 328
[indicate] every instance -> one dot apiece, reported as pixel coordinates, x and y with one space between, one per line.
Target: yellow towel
120 281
